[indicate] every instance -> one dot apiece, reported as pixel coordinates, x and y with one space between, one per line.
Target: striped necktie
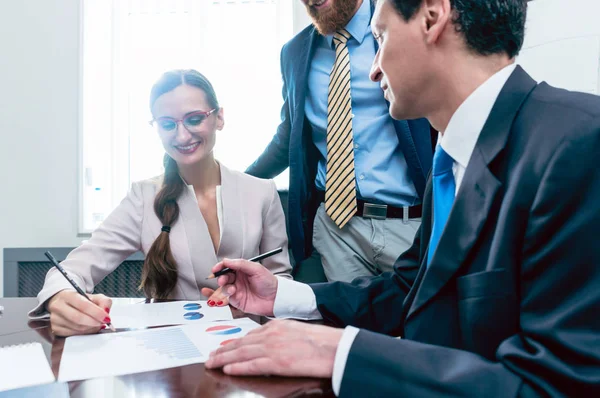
340 184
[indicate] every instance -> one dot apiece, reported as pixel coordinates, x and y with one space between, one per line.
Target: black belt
379 211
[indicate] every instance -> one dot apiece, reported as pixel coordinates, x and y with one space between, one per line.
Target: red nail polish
211 303
107 310
220 303
107 320
102 327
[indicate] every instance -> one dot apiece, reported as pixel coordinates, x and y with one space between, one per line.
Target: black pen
257 258
72 282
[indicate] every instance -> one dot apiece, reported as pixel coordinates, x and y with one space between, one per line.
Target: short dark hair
489 26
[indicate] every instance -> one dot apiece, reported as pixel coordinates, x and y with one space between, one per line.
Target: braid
159 275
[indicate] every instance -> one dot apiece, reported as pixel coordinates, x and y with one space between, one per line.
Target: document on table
115 354
24 365
136 316
54 390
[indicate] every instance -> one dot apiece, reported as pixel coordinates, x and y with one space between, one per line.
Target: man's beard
335 17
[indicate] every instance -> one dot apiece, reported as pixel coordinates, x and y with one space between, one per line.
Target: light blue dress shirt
380 166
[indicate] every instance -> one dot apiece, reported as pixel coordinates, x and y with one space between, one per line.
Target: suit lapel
426 225
477 194
232 236
301 69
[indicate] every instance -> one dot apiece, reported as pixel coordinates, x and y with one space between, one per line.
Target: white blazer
252 223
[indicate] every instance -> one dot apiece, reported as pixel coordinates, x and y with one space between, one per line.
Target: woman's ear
220 119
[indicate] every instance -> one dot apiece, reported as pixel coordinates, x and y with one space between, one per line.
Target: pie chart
223 330
192 316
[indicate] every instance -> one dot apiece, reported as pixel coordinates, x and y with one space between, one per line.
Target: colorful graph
227 341
223 329
192 316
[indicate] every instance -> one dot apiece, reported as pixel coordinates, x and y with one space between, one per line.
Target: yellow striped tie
340 184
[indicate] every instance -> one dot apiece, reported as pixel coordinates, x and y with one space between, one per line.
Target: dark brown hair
159 275
489 27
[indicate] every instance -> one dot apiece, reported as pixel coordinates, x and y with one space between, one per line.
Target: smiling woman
184 221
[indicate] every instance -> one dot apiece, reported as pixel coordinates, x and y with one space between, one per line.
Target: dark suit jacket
292 145
510 304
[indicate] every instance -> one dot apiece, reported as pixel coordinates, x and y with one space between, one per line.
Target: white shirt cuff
341 356
295 300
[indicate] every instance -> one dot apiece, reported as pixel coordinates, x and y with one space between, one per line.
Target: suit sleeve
557 351
276 157
118 237
275 235
367 302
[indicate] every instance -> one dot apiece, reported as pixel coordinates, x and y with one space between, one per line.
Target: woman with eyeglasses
185 221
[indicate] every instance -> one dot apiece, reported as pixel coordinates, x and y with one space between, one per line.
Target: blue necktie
444 188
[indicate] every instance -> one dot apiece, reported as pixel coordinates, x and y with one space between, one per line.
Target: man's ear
437 14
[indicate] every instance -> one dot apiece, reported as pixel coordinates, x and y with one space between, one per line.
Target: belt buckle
378 212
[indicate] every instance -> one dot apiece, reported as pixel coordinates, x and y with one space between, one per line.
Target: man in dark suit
498 296
357 176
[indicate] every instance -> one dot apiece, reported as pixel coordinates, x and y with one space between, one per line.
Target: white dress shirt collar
466 124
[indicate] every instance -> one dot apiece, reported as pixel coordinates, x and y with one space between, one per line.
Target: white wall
39 46
301 18
562 44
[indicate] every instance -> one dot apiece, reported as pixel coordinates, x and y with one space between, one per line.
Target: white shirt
297 300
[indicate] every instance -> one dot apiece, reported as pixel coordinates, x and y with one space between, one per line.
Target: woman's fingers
218 299
62 326
90 310
101 301
78 318
71 313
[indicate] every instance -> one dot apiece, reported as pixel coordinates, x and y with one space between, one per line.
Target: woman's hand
72 314
216 298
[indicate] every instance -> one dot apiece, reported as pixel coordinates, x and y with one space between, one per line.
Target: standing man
360 171
498 296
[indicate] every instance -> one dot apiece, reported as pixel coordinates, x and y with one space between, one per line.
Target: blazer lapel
477 194
301 70
425 235
198 238
232 236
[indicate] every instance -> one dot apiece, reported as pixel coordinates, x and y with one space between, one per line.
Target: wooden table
185 381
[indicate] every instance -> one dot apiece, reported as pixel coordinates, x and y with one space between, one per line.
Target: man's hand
281 347
251 288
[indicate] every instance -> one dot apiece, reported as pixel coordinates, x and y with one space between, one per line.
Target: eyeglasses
191 122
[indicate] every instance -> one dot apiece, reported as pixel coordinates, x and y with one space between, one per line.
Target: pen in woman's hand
72 282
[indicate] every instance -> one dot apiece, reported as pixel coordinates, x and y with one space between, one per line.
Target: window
128 44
